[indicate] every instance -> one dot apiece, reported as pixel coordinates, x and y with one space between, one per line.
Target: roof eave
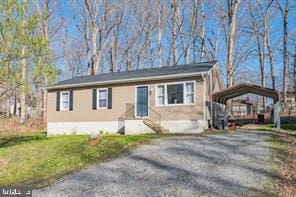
154 78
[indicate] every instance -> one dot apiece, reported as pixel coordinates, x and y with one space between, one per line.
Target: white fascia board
154 78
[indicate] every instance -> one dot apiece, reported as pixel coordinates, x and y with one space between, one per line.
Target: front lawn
36 160
289 127
283 162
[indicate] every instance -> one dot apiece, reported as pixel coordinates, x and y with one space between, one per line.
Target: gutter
119 81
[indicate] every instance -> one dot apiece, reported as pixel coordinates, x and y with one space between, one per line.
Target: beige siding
181 112
217 85
122 94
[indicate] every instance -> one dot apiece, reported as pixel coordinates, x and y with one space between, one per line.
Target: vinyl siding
122 94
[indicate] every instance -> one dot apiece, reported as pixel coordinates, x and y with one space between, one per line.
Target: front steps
155 127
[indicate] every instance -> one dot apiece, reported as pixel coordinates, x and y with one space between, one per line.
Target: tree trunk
94 58
193 30
174 32
111 60
285 55
182 36
263 84
202 48
294 75
270 52
24 86
159 36
45 81
44 105
232 12
38 98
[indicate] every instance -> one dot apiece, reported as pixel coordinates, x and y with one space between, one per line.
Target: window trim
61 101
166 104
98 98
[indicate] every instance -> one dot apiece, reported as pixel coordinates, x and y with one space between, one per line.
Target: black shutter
109 98
58 101
71 101
94 99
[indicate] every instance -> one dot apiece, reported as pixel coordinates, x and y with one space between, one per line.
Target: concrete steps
154 126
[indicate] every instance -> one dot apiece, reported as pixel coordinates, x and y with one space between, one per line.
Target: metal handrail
129 114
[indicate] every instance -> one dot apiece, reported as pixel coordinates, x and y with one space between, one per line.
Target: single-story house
163 99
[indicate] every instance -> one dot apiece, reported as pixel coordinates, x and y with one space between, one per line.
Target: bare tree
231 36
23 66
270 55
146 23
216 31
174 18
284 10
100 24
161 18
202 35
260 37
49 27
266 38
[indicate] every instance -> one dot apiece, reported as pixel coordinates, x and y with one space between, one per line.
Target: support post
211 89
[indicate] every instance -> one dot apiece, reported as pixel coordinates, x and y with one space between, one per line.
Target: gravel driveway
211 165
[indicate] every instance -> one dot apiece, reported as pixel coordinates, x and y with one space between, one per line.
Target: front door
142 101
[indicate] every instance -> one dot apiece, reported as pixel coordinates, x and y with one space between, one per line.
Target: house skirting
185 126
130 127
59 128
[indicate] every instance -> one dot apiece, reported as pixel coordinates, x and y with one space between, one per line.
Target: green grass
277 144
289 126
284 126
281 143
36 160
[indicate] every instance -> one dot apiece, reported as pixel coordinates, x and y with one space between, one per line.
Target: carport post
211 81
277 115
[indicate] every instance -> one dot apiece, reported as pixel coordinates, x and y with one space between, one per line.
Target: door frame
136 99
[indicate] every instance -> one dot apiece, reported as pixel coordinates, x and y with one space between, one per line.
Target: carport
223 96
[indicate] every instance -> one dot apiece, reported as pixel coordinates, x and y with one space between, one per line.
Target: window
175 94
64 103
102 98
160 95
189 93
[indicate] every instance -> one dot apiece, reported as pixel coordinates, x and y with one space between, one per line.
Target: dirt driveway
229 164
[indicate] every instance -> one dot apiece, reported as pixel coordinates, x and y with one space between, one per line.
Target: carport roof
244 88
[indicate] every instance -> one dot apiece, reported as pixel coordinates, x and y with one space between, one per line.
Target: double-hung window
65 101
189 94
182 93
160 95
102 98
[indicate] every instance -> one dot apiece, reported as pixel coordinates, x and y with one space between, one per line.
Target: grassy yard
36 160
291 127
283 162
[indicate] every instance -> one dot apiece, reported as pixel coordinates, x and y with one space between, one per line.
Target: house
171 99
242 108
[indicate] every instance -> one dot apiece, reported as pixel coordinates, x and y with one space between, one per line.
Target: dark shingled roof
136 74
